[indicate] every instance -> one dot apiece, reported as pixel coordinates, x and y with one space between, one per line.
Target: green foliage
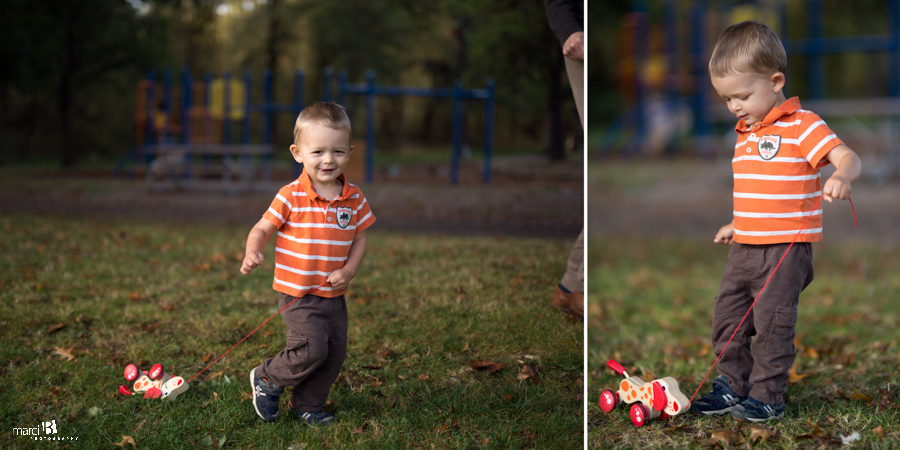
420 309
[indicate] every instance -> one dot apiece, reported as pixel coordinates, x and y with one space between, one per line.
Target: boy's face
750 96
324 153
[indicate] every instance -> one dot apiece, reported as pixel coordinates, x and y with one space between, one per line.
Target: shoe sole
711 413
755 420
253 389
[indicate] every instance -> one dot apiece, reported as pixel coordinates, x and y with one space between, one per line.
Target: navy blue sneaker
314 418
753 410
265 397
721 400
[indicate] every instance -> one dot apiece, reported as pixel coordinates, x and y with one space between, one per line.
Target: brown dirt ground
528 196
692 199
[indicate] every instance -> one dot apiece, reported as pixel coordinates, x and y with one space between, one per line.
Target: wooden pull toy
153 384
658 399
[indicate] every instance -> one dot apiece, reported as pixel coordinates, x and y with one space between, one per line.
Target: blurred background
660 144
95 88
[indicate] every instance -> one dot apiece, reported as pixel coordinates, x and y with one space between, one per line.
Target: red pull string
764 288
245 337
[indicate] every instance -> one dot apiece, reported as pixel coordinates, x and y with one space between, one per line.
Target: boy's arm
848 169
725 234
340 278
256 241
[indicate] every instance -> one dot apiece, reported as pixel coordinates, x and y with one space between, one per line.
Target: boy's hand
836 187
340 279
252 260
725 235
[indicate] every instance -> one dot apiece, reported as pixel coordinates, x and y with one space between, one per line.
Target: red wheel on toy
638 415
156 372
132 372
608 400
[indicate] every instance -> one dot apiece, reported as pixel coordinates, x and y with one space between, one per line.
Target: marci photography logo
45 432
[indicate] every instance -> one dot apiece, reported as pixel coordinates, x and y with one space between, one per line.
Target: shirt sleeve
565 17
280 209
816 140
364 216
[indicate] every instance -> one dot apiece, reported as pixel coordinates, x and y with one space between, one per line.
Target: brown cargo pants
315 349
758 359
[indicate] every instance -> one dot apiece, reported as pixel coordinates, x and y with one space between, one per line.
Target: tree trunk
554 141
272 50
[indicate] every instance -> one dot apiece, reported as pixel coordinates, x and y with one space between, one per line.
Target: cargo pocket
295 355
781 334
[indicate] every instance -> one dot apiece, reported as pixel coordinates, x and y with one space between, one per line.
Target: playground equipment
663 73
658 399
172 128
457 94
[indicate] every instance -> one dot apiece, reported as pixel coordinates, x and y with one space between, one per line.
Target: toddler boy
320 220
780 149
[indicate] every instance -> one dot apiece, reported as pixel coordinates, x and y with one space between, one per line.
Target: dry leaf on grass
359 429
127 440
246 396
444 428
465 348
860 397
528 372
795 377
65 352
136 296
215 375
424 377
206 357
55 328
722 437
879 431
760 432
490 366
376 383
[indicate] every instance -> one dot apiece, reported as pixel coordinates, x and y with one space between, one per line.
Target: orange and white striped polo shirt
776 175
314 235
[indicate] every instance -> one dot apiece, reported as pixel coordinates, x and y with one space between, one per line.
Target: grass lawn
650 308
111 292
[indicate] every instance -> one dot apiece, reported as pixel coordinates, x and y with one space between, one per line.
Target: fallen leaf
879 431
214 397
385 353
860 397
168 306
376 383
722 437
359 429
526 373
465 348
246 396
424 377
795 377
401 377
490 366
484 442
200 268
127 440
206 357
760 432
674 428
65 352
140 425
136 296
215 375
55 328
528 434
218 257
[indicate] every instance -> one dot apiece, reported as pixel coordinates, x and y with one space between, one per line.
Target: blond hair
329 114
748 47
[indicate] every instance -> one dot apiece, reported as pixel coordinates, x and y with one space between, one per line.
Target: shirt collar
789 106
307 186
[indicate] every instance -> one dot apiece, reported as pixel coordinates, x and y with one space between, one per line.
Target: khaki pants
758 359
315 349
573 279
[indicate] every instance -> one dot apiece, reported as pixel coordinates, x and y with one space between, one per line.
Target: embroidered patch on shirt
343 216
768 146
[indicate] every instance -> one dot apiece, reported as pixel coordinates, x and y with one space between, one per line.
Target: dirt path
527 197
693 199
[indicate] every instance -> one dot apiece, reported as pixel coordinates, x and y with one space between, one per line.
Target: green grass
420 309
650 308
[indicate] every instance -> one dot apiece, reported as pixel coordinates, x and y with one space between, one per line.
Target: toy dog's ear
660 399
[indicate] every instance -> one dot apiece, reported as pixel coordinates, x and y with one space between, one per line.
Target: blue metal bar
299 87
167 102
370 127
457 132
894 57
185 105
207 119
226 108
824 45
342 89
700 65
815 62
327 73
266 107
245 128
151 108
488 130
